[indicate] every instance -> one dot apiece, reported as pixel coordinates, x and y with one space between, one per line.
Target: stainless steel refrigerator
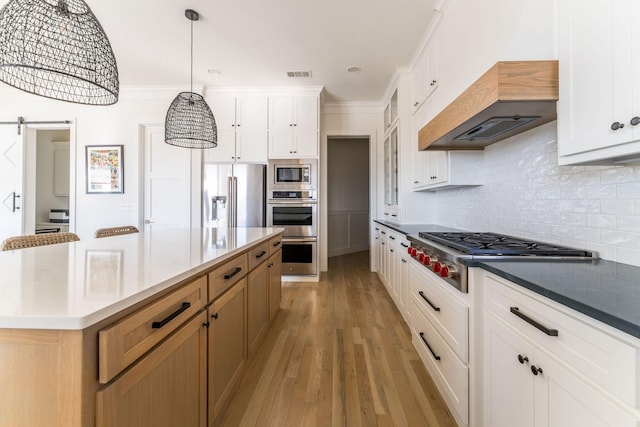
233 195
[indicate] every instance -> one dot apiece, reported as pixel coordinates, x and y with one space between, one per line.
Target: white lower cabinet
534 366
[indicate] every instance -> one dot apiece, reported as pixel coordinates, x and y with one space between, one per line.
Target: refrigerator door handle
235 201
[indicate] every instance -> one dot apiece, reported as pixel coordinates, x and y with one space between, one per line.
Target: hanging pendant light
57 49
190 122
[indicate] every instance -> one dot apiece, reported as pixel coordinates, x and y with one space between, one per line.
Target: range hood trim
508 89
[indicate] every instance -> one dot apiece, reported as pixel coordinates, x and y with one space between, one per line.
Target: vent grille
299 74
494 127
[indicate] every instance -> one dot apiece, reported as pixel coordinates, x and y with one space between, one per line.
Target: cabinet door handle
384 232
428 346
169 318
424 297
535 370
616 125
433 82
392 238
635 121
233 273
534 323
260 255
276 244
214 316
403 260
522 359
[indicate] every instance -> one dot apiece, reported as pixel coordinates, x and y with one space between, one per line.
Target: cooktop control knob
409 250
427 260
421 257
436 267
446 271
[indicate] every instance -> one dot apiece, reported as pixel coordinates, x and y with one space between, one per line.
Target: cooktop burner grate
493 244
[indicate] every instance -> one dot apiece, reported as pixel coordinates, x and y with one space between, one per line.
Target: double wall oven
292 204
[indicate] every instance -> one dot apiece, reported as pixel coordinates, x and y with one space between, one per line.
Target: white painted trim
352 108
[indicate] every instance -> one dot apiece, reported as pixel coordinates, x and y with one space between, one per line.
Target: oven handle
299 240
302 202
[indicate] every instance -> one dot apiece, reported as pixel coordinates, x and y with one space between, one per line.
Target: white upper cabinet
599 105
424 78
293 126
242 129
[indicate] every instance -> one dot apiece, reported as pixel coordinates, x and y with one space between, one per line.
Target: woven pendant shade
190 123
57 49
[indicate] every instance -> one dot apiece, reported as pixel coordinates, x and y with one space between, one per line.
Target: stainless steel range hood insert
495 126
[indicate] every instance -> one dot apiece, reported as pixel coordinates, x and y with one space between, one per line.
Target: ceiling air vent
296 74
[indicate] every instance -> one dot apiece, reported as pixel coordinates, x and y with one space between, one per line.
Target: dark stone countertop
407 229
604 290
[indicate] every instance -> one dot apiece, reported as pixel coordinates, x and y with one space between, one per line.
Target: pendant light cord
191 89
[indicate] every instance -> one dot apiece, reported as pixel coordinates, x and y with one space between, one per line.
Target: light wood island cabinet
172 358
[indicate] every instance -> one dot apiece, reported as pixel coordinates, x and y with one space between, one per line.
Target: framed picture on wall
105 169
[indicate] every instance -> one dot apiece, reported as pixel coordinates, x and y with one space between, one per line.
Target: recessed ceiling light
214 72
354 69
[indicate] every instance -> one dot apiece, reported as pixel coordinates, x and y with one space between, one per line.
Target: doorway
348 201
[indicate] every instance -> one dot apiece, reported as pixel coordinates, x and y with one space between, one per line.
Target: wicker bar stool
116 231
29 241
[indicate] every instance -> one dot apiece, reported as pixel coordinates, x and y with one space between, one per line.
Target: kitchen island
143 329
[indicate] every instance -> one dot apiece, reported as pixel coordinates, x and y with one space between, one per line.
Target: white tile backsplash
527 194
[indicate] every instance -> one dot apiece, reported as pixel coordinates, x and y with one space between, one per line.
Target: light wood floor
338 354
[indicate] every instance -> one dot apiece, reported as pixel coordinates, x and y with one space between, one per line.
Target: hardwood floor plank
338 354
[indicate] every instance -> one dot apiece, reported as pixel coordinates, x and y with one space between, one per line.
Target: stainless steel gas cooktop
443 252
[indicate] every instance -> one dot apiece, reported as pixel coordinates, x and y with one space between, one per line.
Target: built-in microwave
293 174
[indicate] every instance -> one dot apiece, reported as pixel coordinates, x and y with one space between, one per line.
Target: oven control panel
293 195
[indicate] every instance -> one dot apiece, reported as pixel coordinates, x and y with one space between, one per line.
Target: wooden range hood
512 97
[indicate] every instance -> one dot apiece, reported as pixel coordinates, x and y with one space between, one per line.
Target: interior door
167 182
11 177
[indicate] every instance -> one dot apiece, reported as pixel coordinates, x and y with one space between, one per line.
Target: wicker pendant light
57 49
190 122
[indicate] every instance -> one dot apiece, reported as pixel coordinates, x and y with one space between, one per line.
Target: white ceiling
255 42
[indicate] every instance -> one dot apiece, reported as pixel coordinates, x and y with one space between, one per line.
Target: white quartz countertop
75 285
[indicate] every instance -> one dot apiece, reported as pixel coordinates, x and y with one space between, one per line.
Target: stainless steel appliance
443 252
299 255
293 174
295 211
233 195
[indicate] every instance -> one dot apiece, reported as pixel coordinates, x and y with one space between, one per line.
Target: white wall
98 125
527 194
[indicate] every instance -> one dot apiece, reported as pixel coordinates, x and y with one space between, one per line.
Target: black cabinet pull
616 125
635 121
522 359
539 326
261 254
169 318
383 232
535 370
206 324
404 245
233 273
424 297
392 238
214 316
276 244
428 346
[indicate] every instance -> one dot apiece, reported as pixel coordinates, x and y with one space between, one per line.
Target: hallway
338 354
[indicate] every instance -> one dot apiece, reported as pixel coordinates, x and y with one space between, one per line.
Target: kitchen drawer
223 277
125 341
600 358
448 315
275 244
450 374
258 254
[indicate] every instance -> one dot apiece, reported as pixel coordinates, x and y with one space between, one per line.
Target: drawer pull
233 273
550 332
428 346
428 302
392 238
276 244
169 318
261 254
404 245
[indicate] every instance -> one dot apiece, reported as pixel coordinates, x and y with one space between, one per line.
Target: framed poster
105 169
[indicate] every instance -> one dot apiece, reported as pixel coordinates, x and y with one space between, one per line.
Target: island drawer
223 277
258 254
275 244
127 340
